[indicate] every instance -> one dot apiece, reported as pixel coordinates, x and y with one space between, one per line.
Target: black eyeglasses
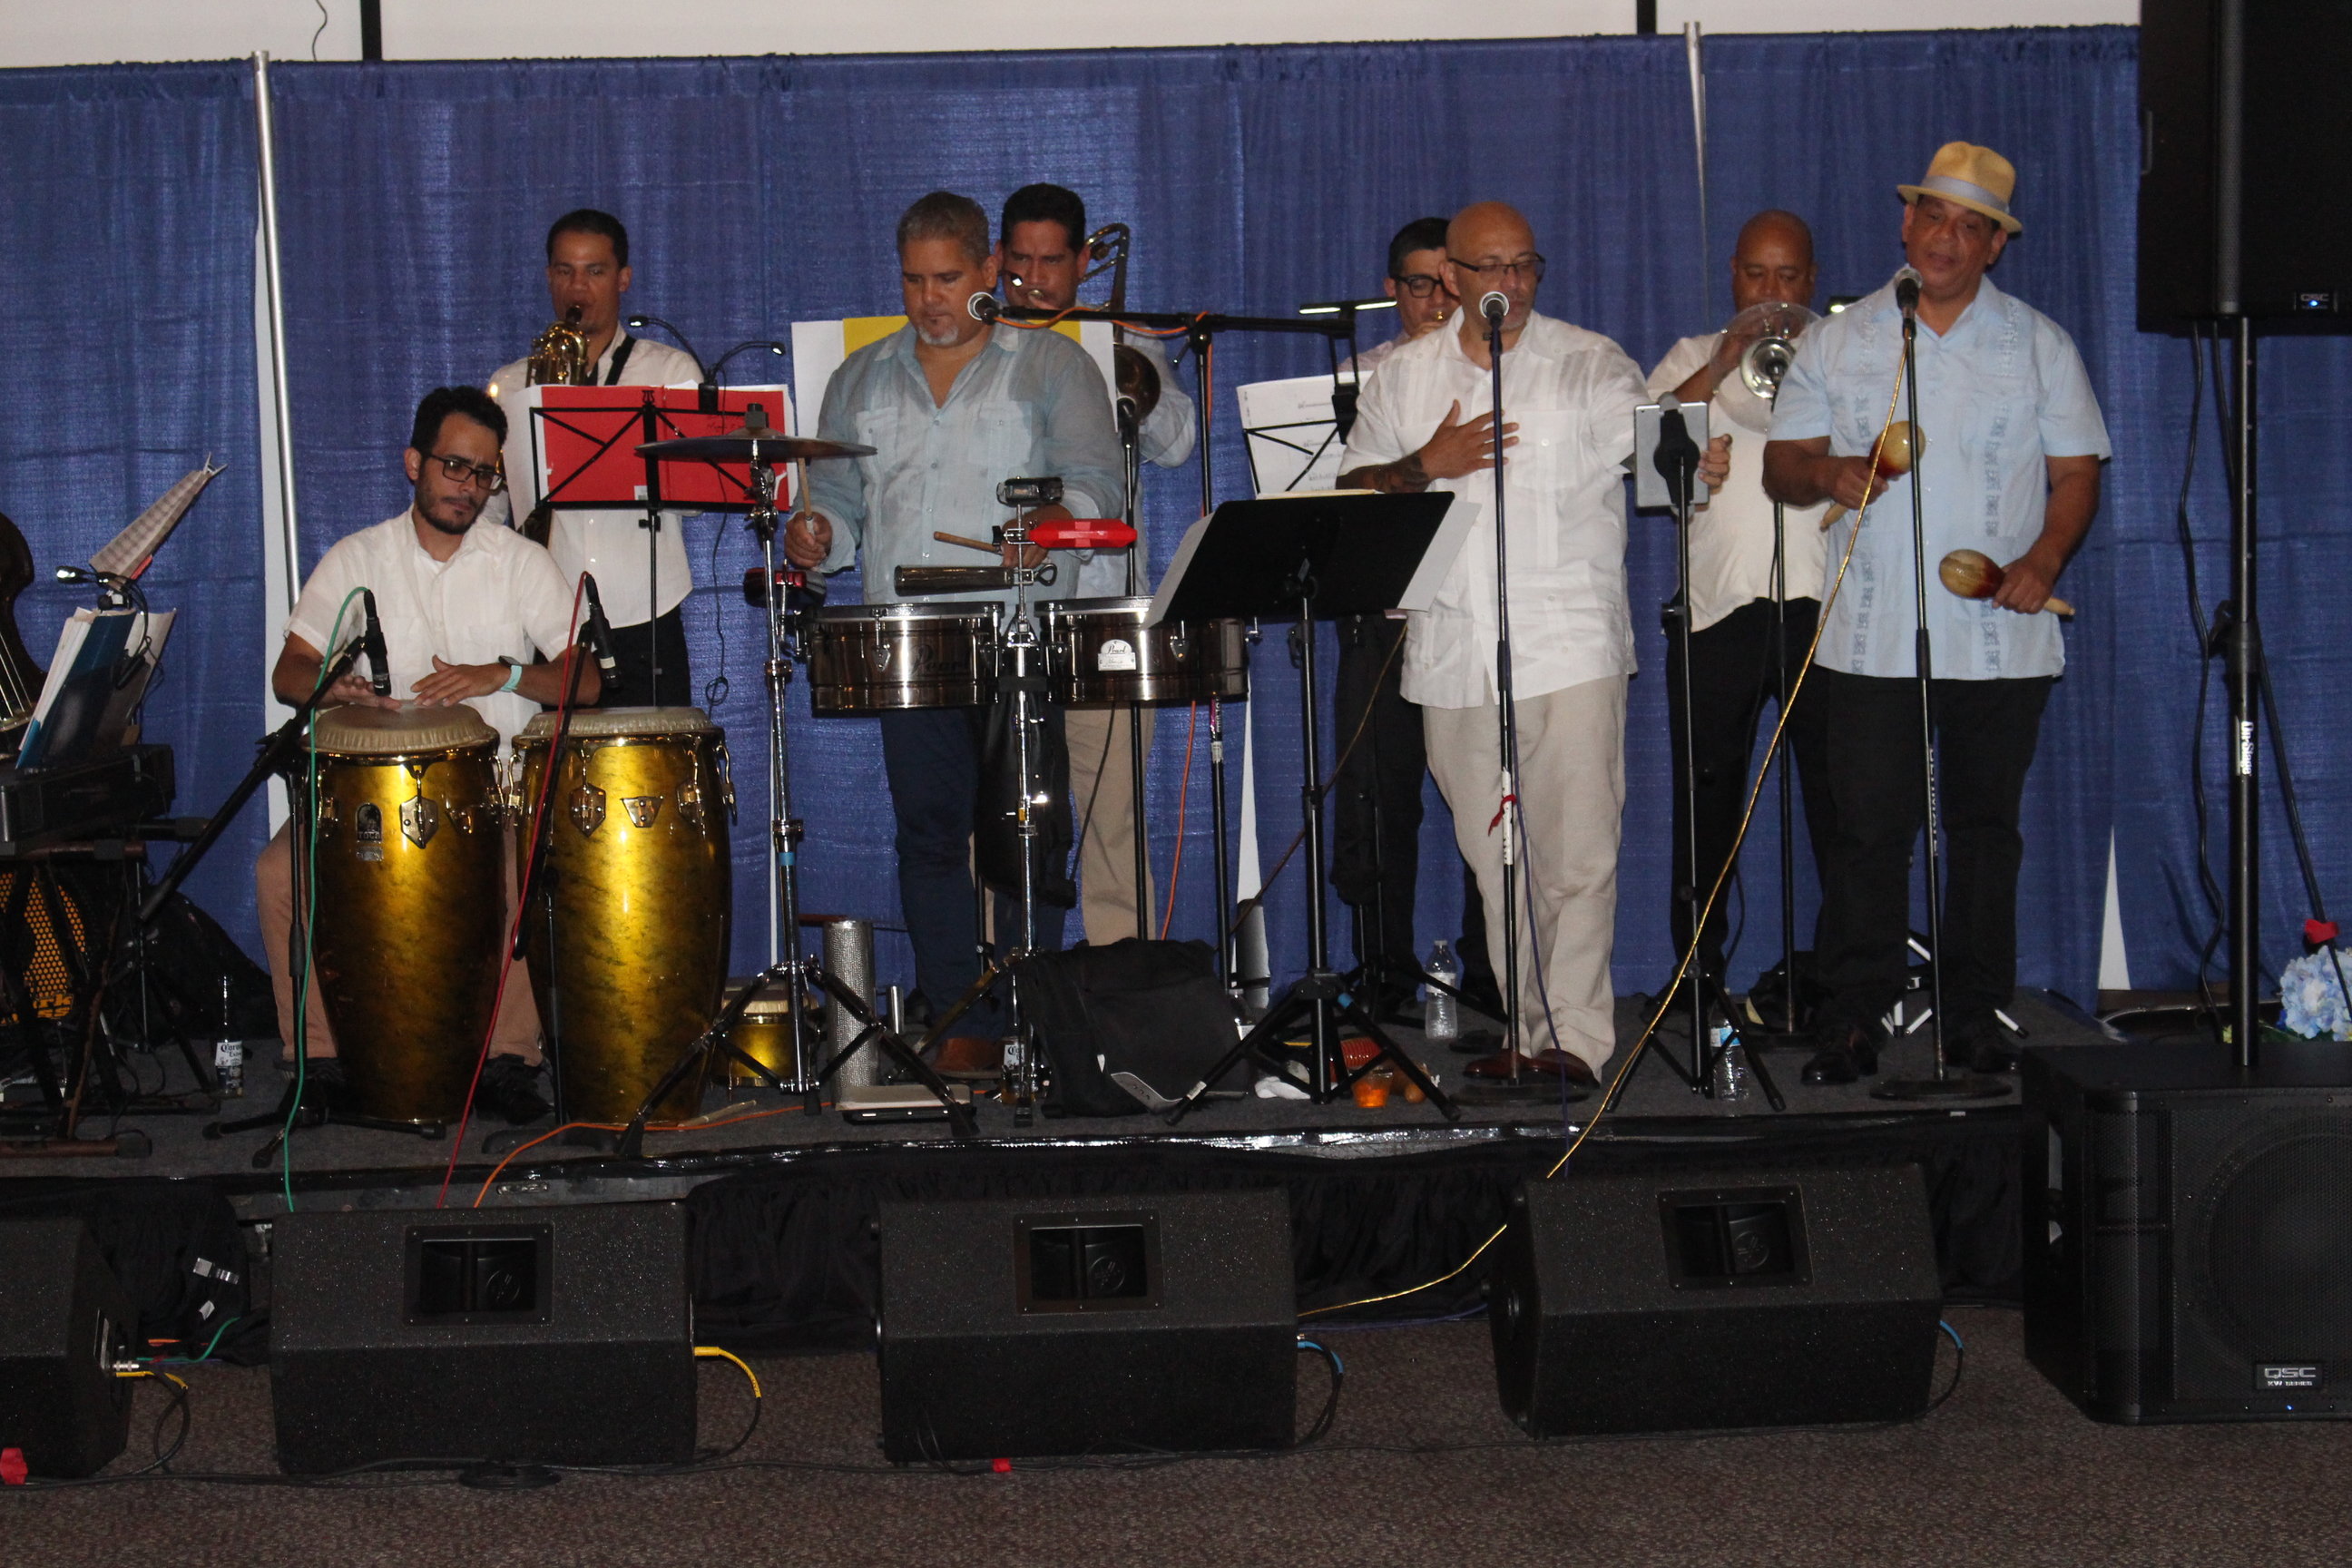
1420 285
1531 268
466 473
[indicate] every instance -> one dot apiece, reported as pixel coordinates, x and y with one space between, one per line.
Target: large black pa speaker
1713 1299
526 1336
1088 1325
2244 121
65 1322
2189 1230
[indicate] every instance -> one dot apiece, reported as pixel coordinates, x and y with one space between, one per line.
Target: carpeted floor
2006 1472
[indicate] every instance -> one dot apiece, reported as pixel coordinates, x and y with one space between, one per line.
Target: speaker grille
2277 1224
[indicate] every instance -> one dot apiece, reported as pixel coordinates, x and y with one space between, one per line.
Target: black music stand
1313 557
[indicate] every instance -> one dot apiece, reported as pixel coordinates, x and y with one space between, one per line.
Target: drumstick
1973 574
944 537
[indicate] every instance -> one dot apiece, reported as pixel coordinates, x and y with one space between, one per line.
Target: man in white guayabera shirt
2011 442
1426 421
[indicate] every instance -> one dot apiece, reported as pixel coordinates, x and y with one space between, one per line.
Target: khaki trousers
273 885
1102 776
1572 797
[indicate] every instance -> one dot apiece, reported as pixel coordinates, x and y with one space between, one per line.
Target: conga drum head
597 723
355 730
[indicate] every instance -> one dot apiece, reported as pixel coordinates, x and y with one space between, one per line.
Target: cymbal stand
797 972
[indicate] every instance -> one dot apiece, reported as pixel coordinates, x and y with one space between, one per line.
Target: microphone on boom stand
1906 292
371 641
983 308
600 632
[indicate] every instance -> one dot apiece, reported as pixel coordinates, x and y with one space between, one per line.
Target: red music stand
583 441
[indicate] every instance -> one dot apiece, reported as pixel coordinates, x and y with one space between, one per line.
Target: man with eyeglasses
1040 247
1426 421
1376 810
470 613
588 266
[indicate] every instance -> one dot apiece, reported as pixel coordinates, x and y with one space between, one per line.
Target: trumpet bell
1771 330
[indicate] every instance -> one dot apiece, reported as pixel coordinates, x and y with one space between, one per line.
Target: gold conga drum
643 895
411 901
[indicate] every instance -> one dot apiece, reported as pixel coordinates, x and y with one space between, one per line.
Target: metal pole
1695 58
2245 676
273 272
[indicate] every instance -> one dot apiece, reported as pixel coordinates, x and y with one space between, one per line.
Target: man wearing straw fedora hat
2010 445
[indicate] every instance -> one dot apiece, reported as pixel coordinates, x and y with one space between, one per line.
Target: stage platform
1381 1199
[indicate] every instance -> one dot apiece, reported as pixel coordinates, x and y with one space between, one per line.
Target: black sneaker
1847 1052
510 1088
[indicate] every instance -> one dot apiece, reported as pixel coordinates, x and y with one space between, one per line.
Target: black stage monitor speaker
1088 1325
2238 212
64 1324
1711 1299
2189 1230
524 1336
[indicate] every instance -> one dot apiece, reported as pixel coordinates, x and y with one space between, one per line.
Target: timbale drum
877 659
1101 650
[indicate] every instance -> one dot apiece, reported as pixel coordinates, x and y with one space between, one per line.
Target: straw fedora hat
1976 177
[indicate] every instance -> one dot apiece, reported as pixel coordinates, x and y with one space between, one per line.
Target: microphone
1907 291
1677 459
982 308
600 630
1494 305
371 643
91 574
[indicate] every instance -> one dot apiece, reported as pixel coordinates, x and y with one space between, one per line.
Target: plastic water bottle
1731 1076
228 1051
1440 1019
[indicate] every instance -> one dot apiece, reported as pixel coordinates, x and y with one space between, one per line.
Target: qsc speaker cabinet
2189 1230
65 1322
1089 1325
1714 1300
2257 205
522 1336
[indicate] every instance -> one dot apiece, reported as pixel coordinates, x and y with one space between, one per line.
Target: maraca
1895 451
1973 574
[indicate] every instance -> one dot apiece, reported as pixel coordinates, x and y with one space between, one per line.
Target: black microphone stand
1943 1083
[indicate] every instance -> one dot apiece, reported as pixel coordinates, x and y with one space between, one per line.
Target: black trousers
1985 735
1376 814
633 685
1734 682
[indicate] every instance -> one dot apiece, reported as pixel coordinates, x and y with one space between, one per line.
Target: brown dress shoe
969 1057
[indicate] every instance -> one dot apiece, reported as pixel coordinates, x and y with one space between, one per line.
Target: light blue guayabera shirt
1030 404
2003 390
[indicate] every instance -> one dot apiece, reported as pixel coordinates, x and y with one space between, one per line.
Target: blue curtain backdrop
126 274
760 191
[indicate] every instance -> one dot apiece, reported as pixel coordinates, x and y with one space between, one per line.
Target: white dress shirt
608 541
2000 393
1731 535
1166 441
1572 394
499 596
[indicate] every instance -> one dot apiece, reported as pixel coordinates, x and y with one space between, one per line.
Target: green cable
309 919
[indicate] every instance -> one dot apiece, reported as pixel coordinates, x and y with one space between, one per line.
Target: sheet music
1293 436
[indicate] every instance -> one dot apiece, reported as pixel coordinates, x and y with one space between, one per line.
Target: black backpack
1151 1008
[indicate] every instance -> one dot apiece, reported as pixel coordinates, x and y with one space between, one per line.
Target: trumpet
1776 326
559 357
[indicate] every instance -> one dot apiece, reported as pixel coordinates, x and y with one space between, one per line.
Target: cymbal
770 448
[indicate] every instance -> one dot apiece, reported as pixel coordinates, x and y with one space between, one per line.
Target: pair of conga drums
416 840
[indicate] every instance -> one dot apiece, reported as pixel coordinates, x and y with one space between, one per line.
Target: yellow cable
712 1353
1747 818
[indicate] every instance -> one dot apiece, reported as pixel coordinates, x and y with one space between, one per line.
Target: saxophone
559 357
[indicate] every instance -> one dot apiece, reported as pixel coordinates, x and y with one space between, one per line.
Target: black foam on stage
2189 1230
64 1322
1700 1302
560 1335
1089 1325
